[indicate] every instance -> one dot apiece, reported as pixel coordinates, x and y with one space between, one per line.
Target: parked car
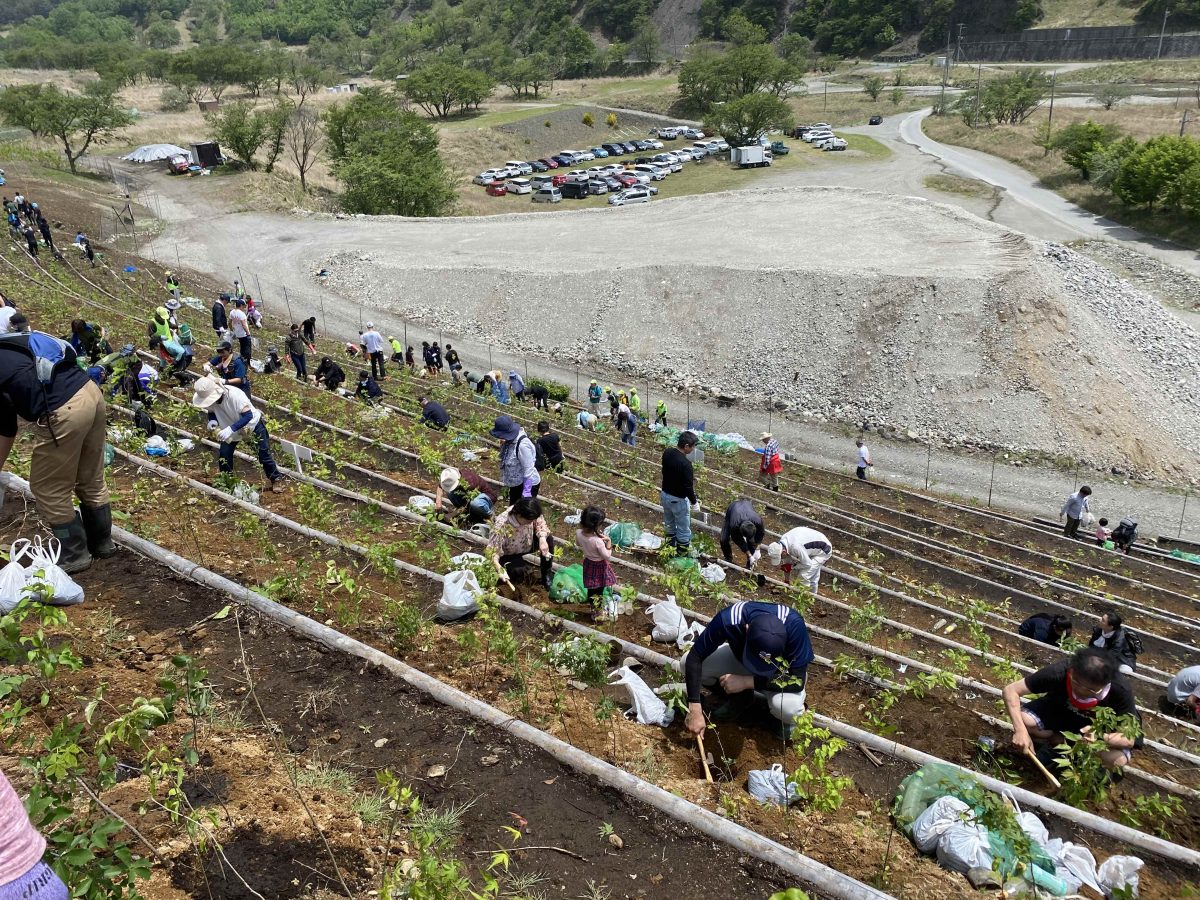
563 160
629 195
779 148
487 176
655 173
722 146
549 162
574 190
615 149
629 147
578 175
813 136
541 181
522 168
629 180
875 120
597 186
537 165
693 134
614 169
547 195
584 156
655 144
558 180
613 183
834 144
520 186
497 189
596 171
599 153
683 154
669 160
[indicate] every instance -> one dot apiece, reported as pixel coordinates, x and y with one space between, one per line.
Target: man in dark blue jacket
220 319
753 650
1045 627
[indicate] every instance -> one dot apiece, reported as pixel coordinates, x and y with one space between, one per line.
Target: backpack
1133 641
185 334
1125 532
540 461
145 423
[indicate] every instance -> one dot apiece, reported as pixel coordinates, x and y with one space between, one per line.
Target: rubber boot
547 574
75 556
682 549
97 524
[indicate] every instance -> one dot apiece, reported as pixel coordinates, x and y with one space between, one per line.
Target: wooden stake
704 758
1045 772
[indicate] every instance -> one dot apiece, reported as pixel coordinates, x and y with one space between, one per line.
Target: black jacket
677 474
739 512
1040 627
219 318
22 392
1118 645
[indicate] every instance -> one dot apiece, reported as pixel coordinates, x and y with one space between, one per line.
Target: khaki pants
75 464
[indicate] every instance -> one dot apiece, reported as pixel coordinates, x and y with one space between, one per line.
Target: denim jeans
264 453
677 518
479 509
301 364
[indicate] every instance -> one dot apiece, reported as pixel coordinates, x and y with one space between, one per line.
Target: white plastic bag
574 518
688 636
712 573
481 529
13 577
648 541
937 819
964 847
243 491
648 709
467 560
1034 829
668 620
1073 864
1120 872
460 590
770 786
44 569
420 503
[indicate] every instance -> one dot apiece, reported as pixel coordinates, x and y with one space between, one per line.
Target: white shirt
864 457
239 324
1183 685
793 545
373 341
230 409
6 313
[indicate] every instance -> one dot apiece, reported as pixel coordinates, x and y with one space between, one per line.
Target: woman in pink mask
23 875
1072 690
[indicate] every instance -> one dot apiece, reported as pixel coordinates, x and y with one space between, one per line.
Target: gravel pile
1172 286
910 318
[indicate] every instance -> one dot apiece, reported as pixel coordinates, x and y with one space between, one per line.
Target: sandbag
623 534
668 620
1034 828
964 847
460 596
1120 872
43 569
13 577
647 709
937 819
567 585
771 786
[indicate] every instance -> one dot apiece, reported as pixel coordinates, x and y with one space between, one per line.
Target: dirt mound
840 305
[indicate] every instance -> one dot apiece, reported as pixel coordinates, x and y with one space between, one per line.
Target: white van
547 195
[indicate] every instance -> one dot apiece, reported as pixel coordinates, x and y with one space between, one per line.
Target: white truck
751 157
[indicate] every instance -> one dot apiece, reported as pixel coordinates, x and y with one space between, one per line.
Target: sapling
1084 778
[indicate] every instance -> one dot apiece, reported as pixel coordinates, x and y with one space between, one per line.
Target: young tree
873 87
741 121
275 122
1080 140
1111 95
645 42
1104 163
76 120
740 31
304 139
1153 173
241 130
896 95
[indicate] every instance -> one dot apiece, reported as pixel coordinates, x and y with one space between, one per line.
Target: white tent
155 152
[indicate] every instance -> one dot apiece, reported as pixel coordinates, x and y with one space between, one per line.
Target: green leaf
223 614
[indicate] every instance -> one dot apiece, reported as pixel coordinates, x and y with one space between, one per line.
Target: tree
797 50
742 121
275 122
1105 161
740 31
161 35
306 79
1189 191
1153 172
239 129
76 120
1008 100
304 139
1079 140
440 87
645 41
873 86
896 95
1111 95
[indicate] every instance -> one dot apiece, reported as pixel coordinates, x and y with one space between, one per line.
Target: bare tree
304 139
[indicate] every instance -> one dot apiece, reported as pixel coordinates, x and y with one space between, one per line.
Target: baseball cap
766 641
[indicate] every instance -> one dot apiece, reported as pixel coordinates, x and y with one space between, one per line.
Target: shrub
611 121
589 120
556 391
173 99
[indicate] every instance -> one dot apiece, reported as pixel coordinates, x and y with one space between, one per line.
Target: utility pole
1050 120
825 107
978 96
1183 123
1162 32
945 75
958 44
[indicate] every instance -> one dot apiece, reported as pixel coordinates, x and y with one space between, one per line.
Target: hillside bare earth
842 305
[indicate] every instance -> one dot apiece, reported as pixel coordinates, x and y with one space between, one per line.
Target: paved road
1025 189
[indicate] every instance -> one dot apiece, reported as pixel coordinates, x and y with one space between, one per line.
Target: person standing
541 396
433 414
805 548
863 461
220 319
31 240
743 527
678 493
635 405
397 351
296 348
516 384
597 549
44 228
410 360
234 418
437 357
23 875
660 414
771 463
549 444
627 426
229 369
309 329
68 416
239 325
518 530
594 396
1077 504
373 341
518 459
454 363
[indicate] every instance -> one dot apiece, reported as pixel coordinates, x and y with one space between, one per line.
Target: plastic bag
712 573
1118 872
574 518
1074 864
648 541
964 847
567 586
623 534
460 590
682 564
688 636
44 570
420 503
467 560
770 786
13 577
156 446
668 620
647 709
1033 828
937 819
481 529
243 491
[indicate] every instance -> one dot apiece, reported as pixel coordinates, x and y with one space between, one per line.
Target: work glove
696 507
225 434
527 487
212 424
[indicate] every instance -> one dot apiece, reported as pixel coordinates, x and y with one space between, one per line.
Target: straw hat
208 392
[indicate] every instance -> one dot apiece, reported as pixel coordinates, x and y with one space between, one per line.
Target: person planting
433 414
23 875
678 494
1183 693
330 374
550 446
229 369
453 496
756 653
518 530
597 552
586 420
368 390
743 527
1046 627
1071 692
801 547
518 459
234 417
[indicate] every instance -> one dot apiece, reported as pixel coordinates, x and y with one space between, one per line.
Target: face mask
1084 703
